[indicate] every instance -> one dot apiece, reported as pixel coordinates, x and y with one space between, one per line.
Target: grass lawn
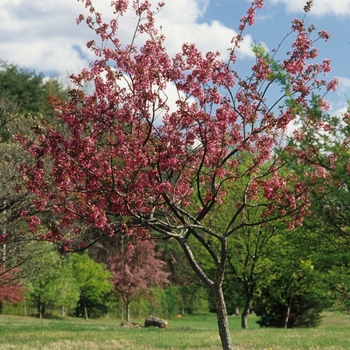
189 332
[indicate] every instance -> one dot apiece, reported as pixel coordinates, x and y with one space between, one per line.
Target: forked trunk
214 287
221 312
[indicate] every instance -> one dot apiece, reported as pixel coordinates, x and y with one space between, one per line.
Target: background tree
10 288
249 262
329 212
29 90
294 294
40 287
93 282
20 87
66 288
130 163
7 109
15 249
135 271
23 87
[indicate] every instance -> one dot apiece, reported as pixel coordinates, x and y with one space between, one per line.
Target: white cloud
179 21
43 35
319 8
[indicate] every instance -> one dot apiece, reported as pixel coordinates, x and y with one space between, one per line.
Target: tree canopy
137 270
131 163
92 279
28 90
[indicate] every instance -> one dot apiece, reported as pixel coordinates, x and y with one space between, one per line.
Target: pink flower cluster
130 162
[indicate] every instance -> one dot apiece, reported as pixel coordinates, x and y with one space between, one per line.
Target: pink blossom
333 84
130 246
24 213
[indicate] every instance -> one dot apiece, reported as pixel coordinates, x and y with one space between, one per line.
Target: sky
43 35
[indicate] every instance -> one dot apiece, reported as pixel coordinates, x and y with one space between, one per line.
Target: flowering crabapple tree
128 162
135 271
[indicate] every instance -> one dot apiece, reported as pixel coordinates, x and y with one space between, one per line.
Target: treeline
130 285
287 277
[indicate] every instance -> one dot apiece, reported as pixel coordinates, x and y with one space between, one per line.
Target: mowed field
188 332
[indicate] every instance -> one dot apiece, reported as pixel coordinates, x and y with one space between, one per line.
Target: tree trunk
244 320
221 312
127 311
245 313
286 316
214 287
86 315
40 310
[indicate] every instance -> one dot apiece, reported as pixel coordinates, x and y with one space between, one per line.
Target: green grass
189 332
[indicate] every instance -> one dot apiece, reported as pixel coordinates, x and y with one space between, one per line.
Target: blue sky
43 35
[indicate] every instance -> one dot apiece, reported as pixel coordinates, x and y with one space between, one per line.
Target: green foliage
92 279
327 226
171 301
26 92
294 294
52 282
66 287
22 87
7 109
305 311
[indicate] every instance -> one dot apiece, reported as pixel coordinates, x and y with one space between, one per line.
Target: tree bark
127 311
223 325
86 315
245 313
40 310
215 287
286 316
244 319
